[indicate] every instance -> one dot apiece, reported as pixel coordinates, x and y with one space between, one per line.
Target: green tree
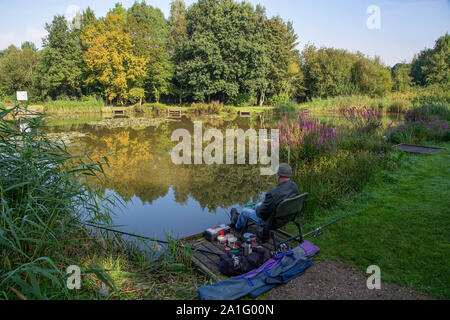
418 63
283 68
177 25
437 70
222 56
401 76
149 32
18 69
370 77
327 71
177 36
61 64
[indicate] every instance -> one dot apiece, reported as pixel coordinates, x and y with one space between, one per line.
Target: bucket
222 240
232 241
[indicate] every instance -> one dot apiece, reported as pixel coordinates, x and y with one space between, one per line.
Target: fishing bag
236 264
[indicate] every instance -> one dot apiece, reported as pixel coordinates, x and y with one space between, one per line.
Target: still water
160 197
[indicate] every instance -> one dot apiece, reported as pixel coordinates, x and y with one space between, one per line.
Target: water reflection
160 196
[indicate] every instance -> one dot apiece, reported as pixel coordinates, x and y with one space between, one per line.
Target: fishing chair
287 211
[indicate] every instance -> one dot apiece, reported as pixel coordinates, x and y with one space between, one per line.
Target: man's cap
284 170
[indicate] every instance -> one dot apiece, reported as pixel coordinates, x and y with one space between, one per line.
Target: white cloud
31 34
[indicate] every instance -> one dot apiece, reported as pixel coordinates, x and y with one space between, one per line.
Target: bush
422 123
202 108
286 107
363 119
278 99
335 176
243 100
157 108
305 138
433 95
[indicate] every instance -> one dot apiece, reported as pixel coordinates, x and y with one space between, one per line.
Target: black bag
263 230
236 264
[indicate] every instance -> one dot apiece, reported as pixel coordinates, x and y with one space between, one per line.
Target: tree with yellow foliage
109 57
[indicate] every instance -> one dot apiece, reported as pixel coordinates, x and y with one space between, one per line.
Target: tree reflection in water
141 168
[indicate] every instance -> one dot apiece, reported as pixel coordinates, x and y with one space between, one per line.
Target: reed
44 204
86 105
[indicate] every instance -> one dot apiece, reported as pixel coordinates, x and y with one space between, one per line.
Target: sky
394 30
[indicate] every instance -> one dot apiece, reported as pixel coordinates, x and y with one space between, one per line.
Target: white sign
22 96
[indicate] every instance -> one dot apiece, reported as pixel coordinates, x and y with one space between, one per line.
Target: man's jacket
274 197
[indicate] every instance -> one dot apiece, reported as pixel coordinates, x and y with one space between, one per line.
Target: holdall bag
236 264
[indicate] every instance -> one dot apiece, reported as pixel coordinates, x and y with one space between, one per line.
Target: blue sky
406 26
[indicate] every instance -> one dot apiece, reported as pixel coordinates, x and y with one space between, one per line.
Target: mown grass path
401 225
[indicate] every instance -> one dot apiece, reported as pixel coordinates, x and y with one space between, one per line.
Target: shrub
363 119
422 123
305 138
286 107
278 99
243 100
433 95
332 177
202 108
157 108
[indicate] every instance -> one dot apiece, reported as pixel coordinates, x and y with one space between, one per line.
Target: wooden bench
119 112
245 114
174 113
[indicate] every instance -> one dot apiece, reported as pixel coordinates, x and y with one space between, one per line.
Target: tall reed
43 204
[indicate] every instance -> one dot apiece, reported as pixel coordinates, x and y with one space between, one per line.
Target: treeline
215 50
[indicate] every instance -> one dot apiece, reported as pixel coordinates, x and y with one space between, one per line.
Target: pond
160 197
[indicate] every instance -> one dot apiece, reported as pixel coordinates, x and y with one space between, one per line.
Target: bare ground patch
331 280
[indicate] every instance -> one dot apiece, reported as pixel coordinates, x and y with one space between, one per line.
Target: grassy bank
337 104
398 102
401 201
401 224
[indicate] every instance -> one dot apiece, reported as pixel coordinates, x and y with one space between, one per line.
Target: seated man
263 211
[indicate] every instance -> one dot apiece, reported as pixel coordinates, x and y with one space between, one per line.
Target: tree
177 36
177 25
109 57
61 65
29 45
283 68
222 56
371 78
401 76
18 69
418 63
149 32
437 68
327 71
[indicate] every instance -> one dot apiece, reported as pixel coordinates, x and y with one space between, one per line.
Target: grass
337 104
401 224
86 105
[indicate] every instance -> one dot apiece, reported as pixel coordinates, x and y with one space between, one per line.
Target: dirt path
326 280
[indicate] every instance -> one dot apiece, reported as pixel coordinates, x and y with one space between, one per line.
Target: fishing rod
317 232
148 238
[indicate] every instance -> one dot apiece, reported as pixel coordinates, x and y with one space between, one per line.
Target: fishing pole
148 238
317 232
